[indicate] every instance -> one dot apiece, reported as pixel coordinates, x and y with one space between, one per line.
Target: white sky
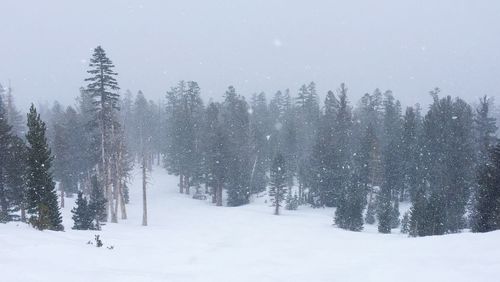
406 46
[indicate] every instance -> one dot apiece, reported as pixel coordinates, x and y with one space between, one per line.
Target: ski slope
191 240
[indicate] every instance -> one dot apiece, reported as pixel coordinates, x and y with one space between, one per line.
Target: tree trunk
111 200
186 184
123 208
144 202
23 213
181 184
213 191
61 187
219 194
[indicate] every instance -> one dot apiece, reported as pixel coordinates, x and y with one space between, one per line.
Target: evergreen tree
82 216
97 203
15 181
351 198
486 214
41 194
277 187
447 150
103 89
5 140
236 128
323 156
412 169
307 114
260 134
14 116
183 151
405 223
485 127
384 209
216 152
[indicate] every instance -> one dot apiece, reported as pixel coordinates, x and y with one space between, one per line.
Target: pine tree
216 152
486 214
292 201
412 168
97 203
485 127
405 223
307 119
235 121
277 184
448 154
323 156
370 213
384 209
82 215
103 89
260 134
5 140
351 199
14 117
42 198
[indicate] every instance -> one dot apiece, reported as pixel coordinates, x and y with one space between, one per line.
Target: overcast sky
406 46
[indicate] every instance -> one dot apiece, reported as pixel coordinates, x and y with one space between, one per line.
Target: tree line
363 159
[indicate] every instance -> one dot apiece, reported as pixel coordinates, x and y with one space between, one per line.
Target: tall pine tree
41 195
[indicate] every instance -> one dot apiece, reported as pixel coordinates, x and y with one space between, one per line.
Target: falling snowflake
277 43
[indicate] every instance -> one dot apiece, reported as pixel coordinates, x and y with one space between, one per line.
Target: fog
409 47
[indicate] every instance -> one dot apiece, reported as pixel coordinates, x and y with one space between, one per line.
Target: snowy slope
190 240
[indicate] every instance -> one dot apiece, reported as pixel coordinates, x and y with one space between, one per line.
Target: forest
364 158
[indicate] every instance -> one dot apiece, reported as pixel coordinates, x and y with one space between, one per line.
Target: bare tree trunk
181 184
23 214
111 200
123 208
219 194
214 195
277 209
113 193
104 169
144 202
61 187
186 184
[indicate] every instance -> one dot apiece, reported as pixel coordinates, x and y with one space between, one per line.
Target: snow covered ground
190 240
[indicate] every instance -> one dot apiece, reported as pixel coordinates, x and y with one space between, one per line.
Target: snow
190 240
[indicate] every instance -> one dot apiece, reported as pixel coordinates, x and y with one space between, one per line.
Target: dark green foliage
260 131
323 190
41 195
97 203
277 183
349 213
5 140
448 154
292 202
82 215
351 199
370 213
395 221
384 209
235 121
307 115
486 214
485 129
412 166
405 223
16 172
183 154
